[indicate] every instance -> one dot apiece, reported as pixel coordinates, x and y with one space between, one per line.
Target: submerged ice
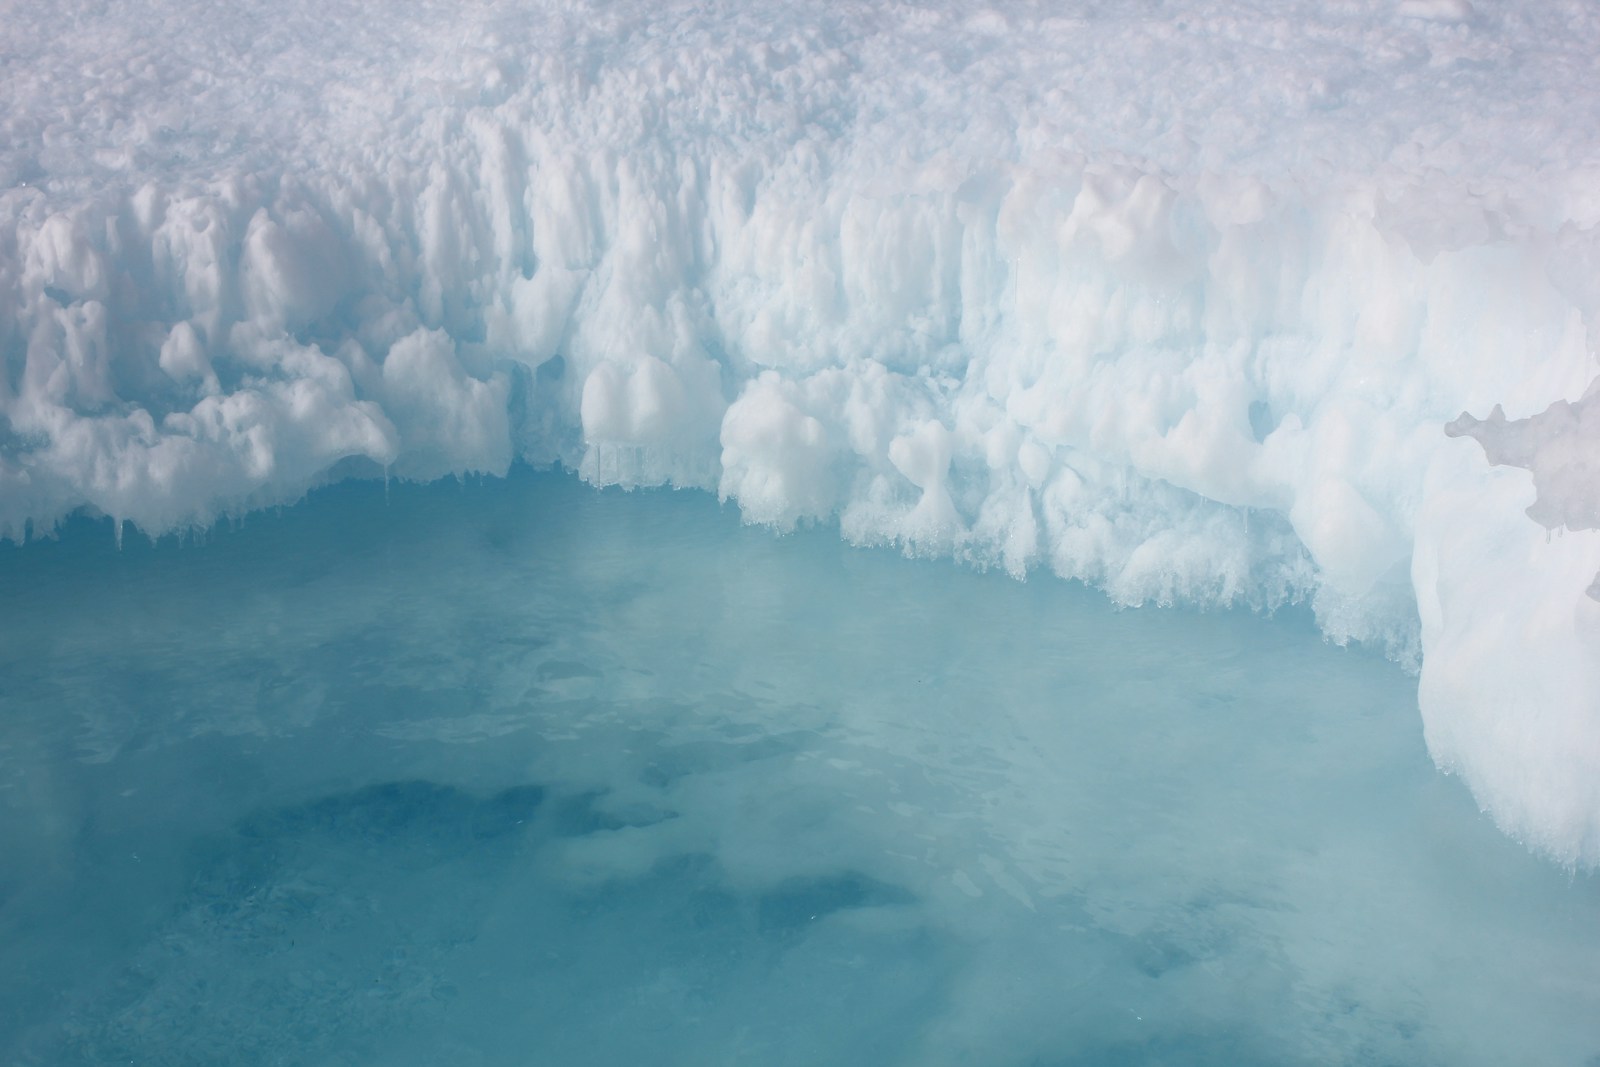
1177 299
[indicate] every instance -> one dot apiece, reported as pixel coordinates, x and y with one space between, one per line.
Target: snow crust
1175 298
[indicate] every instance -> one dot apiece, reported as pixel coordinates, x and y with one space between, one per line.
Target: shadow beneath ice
415 921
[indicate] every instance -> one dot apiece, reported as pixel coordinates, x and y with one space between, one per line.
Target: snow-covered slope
1177 298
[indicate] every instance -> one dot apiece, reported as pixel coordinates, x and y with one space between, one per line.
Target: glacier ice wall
1177 298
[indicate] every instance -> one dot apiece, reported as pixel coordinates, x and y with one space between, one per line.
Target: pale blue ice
522 772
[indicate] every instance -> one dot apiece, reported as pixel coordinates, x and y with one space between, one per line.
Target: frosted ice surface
1173 298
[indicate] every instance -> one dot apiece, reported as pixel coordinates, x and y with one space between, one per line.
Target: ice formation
1175 298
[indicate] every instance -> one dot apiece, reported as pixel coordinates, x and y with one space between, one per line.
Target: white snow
1177 298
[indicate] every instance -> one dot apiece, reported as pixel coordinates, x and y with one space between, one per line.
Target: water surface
522 772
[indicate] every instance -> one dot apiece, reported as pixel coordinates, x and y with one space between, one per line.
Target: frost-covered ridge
1176 298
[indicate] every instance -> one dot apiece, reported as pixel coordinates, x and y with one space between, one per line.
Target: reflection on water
524 772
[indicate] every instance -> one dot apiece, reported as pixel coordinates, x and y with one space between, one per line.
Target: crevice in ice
1560 446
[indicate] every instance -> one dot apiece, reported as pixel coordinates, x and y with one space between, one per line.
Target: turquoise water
521 772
